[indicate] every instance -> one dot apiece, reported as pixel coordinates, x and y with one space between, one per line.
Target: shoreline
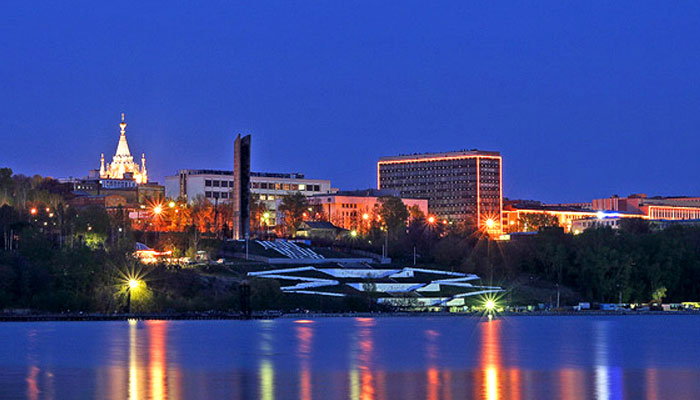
268 316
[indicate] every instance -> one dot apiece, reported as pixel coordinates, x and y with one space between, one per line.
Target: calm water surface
634 357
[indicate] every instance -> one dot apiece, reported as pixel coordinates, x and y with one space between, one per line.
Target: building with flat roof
355 210
517 216
460 186
266 187
653 208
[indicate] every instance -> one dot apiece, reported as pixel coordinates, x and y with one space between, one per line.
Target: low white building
217 185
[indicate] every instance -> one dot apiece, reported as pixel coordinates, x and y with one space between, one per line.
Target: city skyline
576 113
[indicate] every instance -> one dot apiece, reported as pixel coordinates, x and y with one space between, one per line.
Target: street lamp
431 219
132 284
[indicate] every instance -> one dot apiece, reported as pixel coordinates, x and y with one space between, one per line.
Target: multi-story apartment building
461 186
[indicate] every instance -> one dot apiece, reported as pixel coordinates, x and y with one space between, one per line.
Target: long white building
216 185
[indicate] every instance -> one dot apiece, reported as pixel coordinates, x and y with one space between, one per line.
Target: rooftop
449 154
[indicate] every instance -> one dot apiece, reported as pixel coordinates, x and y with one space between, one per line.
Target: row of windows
286 186
217 183
265 185
216 195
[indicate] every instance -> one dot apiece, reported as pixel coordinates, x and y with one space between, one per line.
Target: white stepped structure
404 287
289 249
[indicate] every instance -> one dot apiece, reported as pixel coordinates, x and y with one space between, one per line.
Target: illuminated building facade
516 216
266 187
654 208
123 166
461 186
355 210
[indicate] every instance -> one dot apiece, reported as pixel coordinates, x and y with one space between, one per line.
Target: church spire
123 146
122 125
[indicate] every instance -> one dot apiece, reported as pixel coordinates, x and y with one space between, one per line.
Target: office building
266 187
653 208
460 186
355 210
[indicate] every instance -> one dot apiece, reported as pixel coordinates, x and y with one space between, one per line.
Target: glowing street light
131 285
171 204
266 215
365 216
157 209
490 223
33 211
353 233
490 305
431 219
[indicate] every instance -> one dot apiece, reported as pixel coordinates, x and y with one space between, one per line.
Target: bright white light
600 215
133 283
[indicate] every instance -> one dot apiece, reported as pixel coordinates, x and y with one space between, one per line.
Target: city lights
353 233
33 211
133 283
171 204
431 219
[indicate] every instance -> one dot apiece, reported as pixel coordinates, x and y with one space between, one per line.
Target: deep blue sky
583 99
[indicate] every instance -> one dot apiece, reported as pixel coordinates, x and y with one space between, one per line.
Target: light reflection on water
354 358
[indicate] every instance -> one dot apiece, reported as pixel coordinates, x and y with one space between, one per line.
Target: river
538 357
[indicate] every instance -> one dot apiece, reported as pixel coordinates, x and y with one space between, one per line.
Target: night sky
583 99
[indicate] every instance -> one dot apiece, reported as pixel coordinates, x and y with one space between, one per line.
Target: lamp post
133 284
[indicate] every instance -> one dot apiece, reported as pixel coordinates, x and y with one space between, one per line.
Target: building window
216 183
263 185
302 186
224 195
207 182
207 195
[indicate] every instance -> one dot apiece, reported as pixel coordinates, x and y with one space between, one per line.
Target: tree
294 207
534 222
394 214
658 295
258 209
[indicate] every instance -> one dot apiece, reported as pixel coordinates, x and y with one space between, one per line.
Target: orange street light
431 219
365 216
33 211
171 204
490 223
157 209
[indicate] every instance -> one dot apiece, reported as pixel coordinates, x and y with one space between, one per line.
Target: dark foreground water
633 357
